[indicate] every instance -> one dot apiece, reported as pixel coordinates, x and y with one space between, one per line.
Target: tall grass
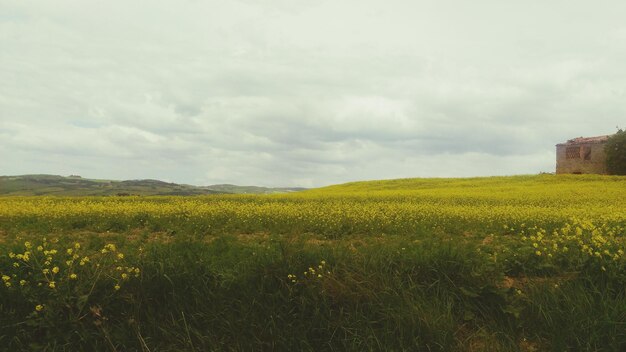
387 294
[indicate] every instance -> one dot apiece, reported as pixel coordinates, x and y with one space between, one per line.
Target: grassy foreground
525 263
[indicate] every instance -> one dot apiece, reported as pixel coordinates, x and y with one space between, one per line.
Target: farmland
528 263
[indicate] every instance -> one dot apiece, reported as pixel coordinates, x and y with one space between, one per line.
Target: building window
586 152
572 153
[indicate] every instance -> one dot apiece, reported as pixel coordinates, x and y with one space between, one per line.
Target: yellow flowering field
521 263
393 207
559 219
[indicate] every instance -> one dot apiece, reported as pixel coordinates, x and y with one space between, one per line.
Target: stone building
582 155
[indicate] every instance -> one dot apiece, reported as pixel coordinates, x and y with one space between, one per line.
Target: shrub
615 150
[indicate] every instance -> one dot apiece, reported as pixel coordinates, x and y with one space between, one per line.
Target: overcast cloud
304 93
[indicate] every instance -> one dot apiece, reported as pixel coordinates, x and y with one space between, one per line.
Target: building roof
586 140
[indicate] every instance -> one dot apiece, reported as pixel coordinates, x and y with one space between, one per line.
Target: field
522 263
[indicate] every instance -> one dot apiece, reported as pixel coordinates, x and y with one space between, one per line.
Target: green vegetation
43 185
525 263
615 150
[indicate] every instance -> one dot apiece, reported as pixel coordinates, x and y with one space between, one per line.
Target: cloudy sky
304 93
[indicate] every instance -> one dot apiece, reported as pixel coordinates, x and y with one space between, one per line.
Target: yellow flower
45 271
22 282
77 245
6 278
73 276
120 256
28 245
39 307
40 248
116 287
70 251
52 284
110 247
55 270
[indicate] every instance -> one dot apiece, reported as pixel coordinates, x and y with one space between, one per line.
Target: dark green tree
615 149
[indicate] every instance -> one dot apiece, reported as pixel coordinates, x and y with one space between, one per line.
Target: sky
304 93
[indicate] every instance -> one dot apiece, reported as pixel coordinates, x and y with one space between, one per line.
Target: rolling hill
41 185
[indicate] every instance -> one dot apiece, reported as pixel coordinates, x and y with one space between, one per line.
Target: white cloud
304 93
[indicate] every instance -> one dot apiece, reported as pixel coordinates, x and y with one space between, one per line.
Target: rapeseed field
522 263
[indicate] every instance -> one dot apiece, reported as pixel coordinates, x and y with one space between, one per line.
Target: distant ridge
74 185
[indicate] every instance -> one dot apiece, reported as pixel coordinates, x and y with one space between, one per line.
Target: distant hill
39 185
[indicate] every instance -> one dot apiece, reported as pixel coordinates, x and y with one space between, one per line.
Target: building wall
593 162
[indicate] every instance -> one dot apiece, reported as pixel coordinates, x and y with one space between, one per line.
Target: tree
615 149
